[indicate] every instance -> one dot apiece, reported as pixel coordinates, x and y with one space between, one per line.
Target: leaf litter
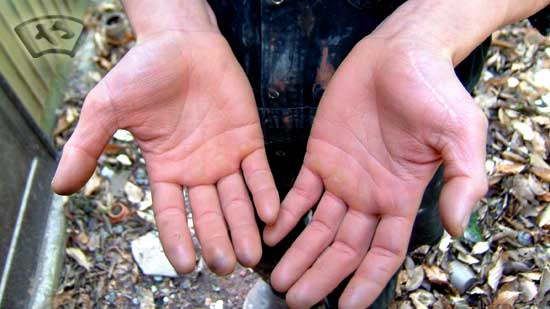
502 260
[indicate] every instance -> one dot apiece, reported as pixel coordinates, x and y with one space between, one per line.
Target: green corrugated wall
38 82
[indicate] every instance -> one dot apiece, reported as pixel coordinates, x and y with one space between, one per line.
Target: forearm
456 27
152 16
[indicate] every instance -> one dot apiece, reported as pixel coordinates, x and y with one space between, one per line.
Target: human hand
392 113
190 107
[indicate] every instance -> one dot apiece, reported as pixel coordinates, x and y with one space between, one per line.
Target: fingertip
181 255
219 261
458 198
249 257
73 171
351 298
269 236
268 206
297 297
280 280
184 265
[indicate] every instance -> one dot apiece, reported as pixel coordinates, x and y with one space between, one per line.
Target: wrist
454 28
149 17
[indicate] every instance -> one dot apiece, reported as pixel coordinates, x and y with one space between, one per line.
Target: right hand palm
189 105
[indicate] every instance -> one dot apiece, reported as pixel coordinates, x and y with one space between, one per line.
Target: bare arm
455 26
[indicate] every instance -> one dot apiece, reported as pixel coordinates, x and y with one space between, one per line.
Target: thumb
465 178
94 129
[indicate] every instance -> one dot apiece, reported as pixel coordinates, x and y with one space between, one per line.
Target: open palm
392 113
191 109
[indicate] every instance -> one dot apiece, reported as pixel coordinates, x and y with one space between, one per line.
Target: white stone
124 160
542 78
148 254
123 136
107 172
513 82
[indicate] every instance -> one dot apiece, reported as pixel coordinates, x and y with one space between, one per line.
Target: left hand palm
391 114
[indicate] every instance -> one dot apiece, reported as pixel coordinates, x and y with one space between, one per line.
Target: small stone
111 297
513 82
135 302
158 279
186 284
117 230
154 289
215 288
123 136
525 238
542 78
107 172
149 255
141 177
124 160
217 305
99 258
133 192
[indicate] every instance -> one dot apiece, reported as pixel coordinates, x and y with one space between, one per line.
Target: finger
79 159
464 174
239 214
384 258
211 230
305 193
172 224
337 262
262 185
316 237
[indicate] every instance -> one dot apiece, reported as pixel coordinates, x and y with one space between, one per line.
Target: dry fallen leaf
480 247
524 129
79 257
544 284
544 217
495 272
422 299
436 275
507 298
133 192
93 185
509 167
416 276
542 173
468 259
528 289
